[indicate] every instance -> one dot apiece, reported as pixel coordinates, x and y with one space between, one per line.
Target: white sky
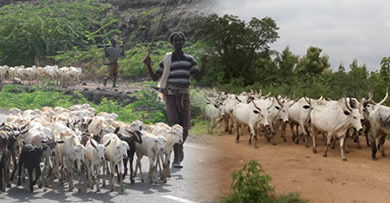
343 29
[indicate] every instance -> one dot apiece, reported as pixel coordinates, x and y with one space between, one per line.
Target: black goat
136 137
30 158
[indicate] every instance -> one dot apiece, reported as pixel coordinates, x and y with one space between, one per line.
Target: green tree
313 63
286 62
31 32
237 44
385 69
357 85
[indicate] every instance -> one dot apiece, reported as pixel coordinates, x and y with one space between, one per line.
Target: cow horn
269 94
238 99
321 98
308 101
254 104
384 99
295 101
259 93
208 99
346 104
352 103
277 99
108 143
273 101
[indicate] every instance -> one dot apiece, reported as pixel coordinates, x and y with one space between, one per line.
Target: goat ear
23 131
116 130
92 143
25 126
108 143
89 121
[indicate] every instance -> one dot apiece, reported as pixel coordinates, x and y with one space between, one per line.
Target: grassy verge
145 109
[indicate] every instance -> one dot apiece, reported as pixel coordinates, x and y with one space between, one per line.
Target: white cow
379 117
249 114
334 119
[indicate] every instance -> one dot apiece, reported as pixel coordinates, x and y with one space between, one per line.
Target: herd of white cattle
62 141
334 119
37 75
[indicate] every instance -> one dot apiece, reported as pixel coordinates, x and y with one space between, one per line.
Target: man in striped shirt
175 91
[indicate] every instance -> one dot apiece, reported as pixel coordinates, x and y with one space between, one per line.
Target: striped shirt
182 68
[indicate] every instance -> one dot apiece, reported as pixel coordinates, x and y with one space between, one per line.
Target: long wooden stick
158 28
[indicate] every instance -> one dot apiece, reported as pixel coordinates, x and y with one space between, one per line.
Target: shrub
251 184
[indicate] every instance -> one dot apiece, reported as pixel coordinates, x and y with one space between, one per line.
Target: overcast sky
344 29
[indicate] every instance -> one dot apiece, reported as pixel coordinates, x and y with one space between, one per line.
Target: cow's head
261 114
282 109
354 115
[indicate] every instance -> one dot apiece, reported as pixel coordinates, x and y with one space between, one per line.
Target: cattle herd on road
332 119
58 142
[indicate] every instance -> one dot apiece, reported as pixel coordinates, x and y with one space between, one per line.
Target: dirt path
294 168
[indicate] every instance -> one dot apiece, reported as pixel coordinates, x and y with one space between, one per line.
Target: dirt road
294 168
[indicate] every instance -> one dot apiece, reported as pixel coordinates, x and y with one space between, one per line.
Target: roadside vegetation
252 185
145 109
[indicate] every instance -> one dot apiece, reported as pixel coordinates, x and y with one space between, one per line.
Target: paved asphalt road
194 183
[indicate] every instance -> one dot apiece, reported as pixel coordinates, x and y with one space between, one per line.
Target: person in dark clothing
174 74
113 52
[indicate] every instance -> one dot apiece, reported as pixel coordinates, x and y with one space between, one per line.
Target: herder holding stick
174 75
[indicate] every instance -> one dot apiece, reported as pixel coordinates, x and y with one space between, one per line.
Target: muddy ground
295 168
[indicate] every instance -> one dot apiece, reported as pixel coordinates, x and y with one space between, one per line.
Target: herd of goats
333 119
58 142
36 75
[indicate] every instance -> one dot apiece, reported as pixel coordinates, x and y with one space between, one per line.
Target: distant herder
113 52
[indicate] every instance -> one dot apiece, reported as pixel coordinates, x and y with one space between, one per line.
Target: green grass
199 127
